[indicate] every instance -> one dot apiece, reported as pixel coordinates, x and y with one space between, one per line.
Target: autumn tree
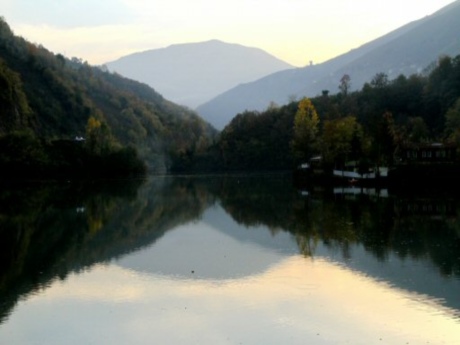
306 122
98 138
14 108
337 139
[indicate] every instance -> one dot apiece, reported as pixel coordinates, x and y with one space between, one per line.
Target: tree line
370 125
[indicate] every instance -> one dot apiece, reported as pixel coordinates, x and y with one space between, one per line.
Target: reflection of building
356 191
426 207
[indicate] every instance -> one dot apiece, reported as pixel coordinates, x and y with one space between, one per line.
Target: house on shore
428 153
427 164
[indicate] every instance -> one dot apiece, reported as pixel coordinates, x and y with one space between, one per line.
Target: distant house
428 153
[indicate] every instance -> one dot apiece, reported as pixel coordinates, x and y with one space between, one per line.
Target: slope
193 73
54 97
407 50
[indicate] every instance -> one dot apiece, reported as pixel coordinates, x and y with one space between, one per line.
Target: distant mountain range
407 50
191 74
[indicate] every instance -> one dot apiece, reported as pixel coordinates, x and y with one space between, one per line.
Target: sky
296 31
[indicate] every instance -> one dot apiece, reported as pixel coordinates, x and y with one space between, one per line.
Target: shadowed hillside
48 100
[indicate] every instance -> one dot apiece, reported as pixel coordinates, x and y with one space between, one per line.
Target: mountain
407 50
191 74
47 100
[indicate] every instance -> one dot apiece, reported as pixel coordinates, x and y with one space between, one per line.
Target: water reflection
227 249
216 248
297 301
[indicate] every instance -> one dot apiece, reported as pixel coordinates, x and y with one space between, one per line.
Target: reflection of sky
248 286
297 301
212 250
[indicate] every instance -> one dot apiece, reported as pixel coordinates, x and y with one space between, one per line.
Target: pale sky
296 31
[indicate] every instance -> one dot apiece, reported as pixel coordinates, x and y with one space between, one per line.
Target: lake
241 259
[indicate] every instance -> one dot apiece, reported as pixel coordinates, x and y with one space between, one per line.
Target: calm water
227 260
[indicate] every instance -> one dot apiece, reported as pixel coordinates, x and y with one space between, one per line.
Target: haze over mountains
407 50
220 80
191 74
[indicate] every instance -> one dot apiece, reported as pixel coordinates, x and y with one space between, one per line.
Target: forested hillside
48 100
370 125
406 50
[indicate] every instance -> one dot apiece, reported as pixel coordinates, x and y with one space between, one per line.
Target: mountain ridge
193 73
406 50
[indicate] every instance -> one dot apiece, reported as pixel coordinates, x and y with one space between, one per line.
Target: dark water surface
227 260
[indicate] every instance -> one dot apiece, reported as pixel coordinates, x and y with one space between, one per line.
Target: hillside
375 125
193 73
58 99
407 50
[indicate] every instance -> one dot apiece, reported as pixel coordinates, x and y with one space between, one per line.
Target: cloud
96 45
67 13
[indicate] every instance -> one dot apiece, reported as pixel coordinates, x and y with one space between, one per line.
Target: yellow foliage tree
306 126
98 137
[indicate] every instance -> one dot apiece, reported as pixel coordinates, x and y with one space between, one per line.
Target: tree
337 139
98 137
380 80
345 84
306 122
452 127
387 139
417 130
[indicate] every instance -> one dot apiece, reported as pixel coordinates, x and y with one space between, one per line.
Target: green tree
337 139
345 84
386 140
417 130
452 126
306 122
380 80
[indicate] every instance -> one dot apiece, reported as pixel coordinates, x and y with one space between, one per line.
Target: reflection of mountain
218 247
370 235
417 253
280 242
48 231
241 225
206 251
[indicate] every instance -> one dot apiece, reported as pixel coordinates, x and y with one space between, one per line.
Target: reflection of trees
434 237
338 222
381 230
258 199
48 231
272 201
345 225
